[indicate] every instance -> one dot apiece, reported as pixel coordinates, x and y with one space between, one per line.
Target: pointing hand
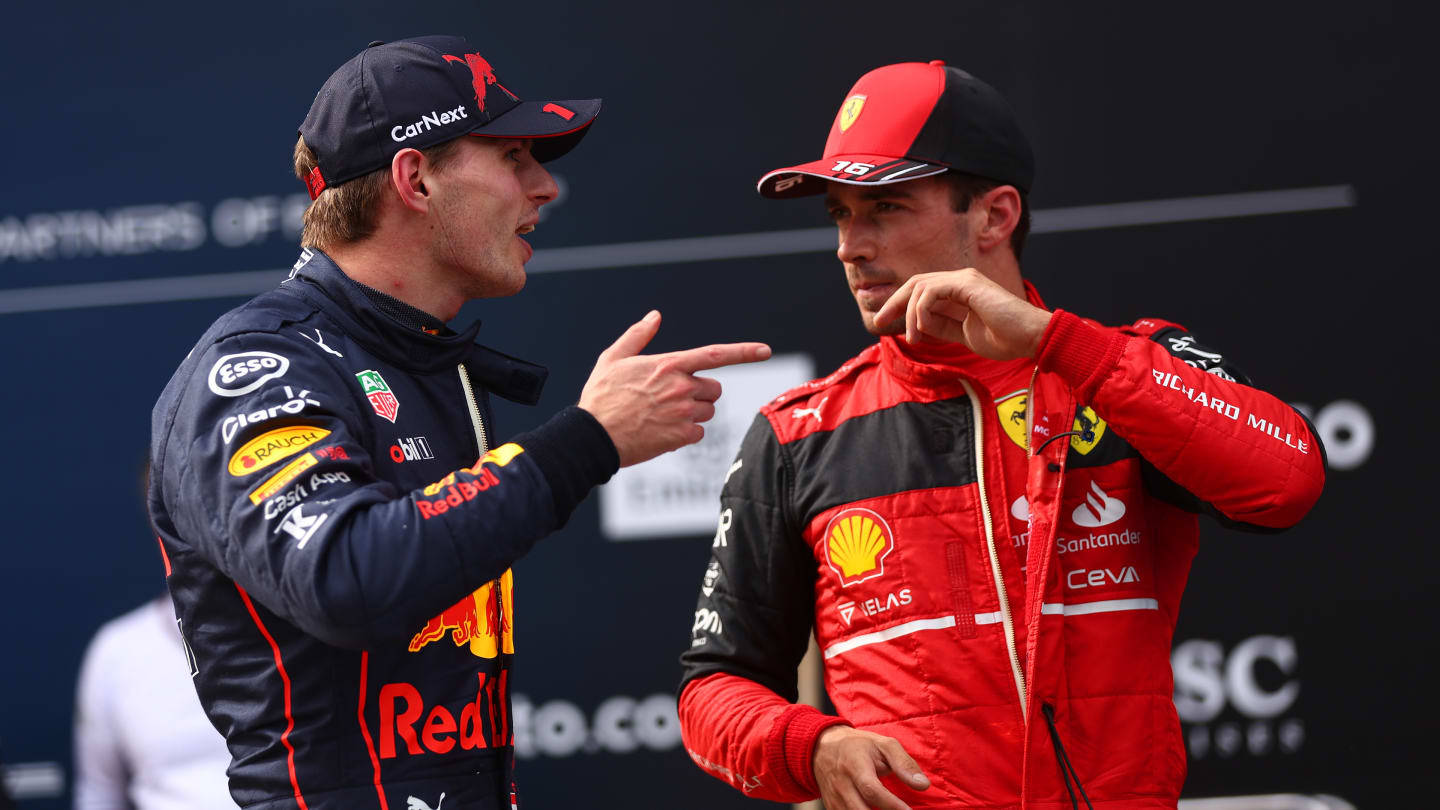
653 403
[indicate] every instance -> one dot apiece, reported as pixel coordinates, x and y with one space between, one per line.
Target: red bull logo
481 621
481 76
483 723
454 491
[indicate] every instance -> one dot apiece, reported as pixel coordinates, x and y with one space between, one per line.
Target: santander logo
1099 509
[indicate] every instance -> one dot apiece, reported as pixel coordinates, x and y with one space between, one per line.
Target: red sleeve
1246 453
744 734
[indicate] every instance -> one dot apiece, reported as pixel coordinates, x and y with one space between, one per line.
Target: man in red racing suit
987 517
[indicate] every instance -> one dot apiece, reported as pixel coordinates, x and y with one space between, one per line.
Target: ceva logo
1099 509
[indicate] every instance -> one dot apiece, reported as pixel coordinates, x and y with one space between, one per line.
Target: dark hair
966 187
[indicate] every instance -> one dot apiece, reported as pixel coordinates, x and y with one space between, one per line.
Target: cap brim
556 126
859 170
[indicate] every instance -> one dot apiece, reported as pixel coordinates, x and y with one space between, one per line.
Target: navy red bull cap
911 120
420 92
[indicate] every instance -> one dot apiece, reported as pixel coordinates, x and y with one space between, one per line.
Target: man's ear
407 180
1000 211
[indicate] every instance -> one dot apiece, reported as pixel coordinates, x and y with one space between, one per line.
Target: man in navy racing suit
337 512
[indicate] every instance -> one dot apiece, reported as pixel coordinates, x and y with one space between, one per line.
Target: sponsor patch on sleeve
235 375
282 479
272 446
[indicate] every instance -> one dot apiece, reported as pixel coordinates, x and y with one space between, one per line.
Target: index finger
896 303
720 354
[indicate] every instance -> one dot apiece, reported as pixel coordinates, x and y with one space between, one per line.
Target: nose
540 186
857 241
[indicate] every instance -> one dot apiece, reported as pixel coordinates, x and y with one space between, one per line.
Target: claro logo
619 725
1256 679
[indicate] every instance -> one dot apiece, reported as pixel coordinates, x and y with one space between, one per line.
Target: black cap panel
923 117
972 129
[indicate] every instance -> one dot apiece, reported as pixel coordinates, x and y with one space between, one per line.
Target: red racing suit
979 545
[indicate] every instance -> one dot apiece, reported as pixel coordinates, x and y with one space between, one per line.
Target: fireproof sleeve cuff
799 727
574 453
1079 353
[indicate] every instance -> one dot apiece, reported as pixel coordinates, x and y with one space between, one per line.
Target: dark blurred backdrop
1277 155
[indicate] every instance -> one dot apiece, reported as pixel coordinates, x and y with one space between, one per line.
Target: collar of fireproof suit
405 314
318 279
933 364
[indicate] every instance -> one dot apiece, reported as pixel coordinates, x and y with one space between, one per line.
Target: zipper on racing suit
1067 769
997 575
482 441
475 421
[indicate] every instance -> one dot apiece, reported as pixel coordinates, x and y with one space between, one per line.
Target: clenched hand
653 403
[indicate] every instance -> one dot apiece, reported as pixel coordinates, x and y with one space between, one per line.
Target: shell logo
857 541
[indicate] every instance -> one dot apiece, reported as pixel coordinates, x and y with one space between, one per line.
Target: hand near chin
965 306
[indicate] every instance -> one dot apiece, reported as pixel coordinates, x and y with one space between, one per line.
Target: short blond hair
349 212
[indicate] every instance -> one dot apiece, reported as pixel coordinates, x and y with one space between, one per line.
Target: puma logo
412 803
319 340
801 413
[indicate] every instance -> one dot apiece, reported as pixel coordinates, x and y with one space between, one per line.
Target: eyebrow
873 194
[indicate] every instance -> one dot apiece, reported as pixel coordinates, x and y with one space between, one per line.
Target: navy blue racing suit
339 525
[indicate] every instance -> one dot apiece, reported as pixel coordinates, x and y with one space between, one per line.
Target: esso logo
620 725
238 374
1206 680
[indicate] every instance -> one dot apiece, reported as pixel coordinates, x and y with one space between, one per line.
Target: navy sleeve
289 506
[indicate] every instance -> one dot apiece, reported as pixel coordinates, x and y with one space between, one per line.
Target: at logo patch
1012 416
270 447
1087 421
379 394
857 541
850 110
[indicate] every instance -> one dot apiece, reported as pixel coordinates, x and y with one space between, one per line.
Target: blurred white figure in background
141 740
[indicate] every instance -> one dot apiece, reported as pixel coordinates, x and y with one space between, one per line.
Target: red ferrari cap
911 120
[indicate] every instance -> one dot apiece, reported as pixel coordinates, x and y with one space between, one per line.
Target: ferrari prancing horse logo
850 110
1012 412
